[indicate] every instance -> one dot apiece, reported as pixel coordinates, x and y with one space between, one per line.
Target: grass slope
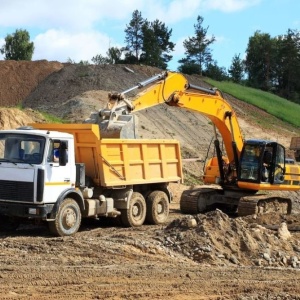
281 108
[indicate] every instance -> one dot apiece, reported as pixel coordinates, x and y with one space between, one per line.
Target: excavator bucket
115 122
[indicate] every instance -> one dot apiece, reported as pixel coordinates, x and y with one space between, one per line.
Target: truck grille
16 191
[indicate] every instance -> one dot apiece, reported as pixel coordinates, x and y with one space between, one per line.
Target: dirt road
106 261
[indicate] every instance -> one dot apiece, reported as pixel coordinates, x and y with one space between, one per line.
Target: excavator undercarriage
203 199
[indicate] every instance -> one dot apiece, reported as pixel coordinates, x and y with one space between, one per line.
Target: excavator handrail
202 89
145 83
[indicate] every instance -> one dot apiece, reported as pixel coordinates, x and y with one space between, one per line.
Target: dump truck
92 177
295 146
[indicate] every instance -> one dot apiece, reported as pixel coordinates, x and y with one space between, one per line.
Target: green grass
48 117
51 119
281 108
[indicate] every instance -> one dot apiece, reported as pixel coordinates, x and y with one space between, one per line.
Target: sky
78 30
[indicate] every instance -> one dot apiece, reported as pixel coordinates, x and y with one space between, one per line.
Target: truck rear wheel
67 220
157 208
135 215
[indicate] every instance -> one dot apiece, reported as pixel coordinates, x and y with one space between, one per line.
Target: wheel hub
135 210
70 218
159 208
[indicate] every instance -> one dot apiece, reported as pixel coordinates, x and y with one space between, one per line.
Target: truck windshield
21 148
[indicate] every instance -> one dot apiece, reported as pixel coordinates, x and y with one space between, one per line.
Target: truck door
58 178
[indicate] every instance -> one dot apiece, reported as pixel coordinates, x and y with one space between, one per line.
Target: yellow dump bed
117 162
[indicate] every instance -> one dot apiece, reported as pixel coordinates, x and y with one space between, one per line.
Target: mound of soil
20 78
217 239
12 118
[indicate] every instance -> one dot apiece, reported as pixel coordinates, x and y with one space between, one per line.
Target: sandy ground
105 261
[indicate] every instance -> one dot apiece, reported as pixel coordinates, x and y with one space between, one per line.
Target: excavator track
263 204
197 200
189 202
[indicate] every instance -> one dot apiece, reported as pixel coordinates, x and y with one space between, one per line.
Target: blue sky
81 29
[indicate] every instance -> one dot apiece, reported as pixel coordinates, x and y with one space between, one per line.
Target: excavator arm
173 89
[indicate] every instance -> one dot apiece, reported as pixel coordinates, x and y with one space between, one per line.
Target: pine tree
156 44
134 37
197 47
236 69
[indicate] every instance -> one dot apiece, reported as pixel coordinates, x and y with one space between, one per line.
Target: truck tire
157 208
67 220
135 215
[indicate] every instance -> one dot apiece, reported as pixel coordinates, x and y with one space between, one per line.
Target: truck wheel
9 224
157 208
68 218
135 215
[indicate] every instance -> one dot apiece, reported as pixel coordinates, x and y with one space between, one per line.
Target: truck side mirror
63 154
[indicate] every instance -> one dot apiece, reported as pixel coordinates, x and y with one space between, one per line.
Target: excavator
243 176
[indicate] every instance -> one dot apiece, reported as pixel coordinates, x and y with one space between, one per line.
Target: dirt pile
69 88
215 238
12 118
20 78
207 256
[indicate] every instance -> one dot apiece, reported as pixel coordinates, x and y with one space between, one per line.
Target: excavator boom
172 89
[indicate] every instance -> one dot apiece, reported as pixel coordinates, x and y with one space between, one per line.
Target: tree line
271 63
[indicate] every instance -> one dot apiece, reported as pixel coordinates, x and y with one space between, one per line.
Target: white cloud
61 45
78 14
80 29
220 39
173 12
229 5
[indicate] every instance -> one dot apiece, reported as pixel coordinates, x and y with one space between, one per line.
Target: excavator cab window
250 166
262 162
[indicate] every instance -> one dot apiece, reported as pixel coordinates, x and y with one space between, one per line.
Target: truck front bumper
38 211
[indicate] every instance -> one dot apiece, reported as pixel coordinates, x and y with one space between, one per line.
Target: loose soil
206 256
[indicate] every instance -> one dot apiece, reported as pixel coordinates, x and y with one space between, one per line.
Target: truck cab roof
46 133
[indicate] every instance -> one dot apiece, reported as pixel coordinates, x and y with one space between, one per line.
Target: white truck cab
31 182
